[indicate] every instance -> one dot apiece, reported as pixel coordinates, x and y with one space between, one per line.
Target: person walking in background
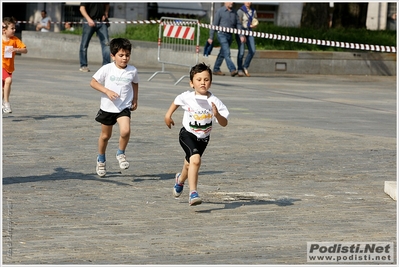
95 15
201 108
119 84
227 17
11 45
45 23
248 20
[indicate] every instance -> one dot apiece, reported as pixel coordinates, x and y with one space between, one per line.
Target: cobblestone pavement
304 158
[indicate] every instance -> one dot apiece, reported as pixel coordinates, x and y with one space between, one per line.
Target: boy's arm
99 87
21 47
22 50
135 96
221 120
168 116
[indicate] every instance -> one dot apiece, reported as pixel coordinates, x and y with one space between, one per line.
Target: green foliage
150 32
140 32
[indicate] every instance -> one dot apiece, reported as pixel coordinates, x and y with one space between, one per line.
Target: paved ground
304 158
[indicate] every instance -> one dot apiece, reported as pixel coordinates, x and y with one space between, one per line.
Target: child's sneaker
7 108
194 199
123 164
100 169
178 188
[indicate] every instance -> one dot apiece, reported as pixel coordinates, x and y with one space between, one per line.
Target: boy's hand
215 110
133 107
111 95
221 120
169 122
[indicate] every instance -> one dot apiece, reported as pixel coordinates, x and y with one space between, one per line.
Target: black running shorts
191 144
108 118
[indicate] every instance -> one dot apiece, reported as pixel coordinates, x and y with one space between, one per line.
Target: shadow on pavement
60 174
236 204
44 117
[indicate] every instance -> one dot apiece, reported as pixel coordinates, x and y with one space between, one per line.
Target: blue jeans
225 40
241 49
102 33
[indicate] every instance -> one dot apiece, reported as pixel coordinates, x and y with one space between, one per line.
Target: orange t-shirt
8 63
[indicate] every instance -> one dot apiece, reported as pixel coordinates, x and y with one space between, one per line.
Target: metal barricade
178 44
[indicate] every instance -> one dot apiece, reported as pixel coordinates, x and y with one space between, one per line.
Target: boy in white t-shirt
201 108
118 83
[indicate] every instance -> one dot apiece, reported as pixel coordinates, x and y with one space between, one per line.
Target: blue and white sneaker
178 188
194 199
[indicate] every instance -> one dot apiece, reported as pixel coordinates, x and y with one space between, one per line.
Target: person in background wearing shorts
201 108
119 84
11 45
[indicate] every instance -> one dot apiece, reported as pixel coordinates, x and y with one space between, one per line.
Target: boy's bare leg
105 135
124 130
184 172
7 90
193 169
190 171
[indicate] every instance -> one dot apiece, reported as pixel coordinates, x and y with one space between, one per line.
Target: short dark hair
7 21
120 43
200 67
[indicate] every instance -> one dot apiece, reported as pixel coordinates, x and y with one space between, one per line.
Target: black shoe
234 73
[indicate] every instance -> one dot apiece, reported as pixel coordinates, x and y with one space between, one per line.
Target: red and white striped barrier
181 32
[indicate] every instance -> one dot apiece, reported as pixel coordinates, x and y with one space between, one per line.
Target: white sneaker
100 169
123 164
7 108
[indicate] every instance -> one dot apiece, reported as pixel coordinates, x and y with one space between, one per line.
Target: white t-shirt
44 22
198 114
119 81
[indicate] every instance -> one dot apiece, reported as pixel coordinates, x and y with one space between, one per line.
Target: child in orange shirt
11 45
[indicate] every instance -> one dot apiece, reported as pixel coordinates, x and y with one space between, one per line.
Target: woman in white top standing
45 23
248 20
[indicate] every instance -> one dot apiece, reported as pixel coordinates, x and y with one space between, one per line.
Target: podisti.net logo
345 252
